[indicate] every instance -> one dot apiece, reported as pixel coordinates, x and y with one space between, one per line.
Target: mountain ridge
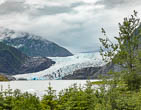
12 61
32 45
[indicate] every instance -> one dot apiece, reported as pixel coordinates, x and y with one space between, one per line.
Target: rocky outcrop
12 61
85 73
94 72
10 78
35 65
106 68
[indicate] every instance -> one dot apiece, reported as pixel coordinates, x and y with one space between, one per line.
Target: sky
73 24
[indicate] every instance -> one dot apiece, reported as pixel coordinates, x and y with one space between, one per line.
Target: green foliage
3 78
133 81
15 100
105 97
126 52
49 101
10 59
77 98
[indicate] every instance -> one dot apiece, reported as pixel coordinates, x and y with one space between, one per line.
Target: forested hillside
12 61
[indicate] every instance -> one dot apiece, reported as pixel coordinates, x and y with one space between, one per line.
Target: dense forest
121 92
75 98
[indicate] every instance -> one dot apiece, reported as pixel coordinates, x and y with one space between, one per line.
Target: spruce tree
126 52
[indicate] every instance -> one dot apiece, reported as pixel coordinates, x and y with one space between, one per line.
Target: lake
39 87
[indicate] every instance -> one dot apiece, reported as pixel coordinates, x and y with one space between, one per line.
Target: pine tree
49 101
126 52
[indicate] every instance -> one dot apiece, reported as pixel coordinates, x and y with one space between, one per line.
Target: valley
65 66
30 57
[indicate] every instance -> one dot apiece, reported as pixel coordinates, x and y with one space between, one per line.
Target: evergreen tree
49 101
126 52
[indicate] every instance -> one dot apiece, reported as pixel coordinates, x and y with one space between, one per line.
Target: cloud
118 3
2 1
74 24
8 7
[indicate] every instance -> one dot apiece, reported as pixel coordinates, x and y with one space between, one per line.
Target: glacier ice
65 66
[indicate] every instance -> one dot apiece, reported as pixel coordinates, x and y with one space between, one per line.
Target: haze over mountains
25 55
22 52
32 45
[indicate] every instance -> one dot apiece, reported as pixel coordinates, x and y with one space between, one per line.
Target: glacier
65 66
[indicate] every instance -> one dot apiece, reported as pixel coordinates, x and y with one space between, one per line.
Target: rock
106 68
12 61
85 73
93 72
22 79
10 78
35 65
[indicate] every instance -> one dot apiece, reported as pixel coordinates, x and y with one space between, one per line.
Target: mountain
12 61
84 73
79 66
65 66
32 45
93 72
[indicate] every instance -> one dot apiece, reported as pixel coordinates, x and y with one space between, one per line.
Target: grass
106 82
98 82
3 78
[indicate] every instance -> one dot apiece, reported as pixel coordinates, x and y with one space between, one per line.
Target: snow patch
6 34
18 46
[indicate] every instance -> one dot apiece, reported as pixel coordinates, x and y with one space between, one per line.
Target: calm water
39 87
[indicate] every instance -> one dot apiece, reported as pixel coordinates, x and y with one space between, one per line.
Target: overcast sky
74 24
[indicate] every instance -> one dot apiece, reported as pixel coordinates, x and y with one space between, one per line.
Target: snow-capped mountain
31 44
65 66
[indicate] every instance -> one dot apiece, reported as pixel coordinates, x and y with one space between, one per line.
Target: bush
133 81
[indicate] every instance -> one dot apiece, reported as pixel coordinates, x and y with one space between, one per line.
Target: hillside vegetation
3 78
13 61
10 59
33 45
